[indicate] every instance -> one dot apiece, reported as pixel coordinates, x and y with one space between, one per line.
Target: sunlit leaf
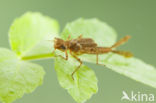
84 84
102 33
17 77
32 35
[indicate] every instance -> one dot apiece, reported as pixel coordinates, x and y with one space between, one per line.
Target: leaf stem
41 56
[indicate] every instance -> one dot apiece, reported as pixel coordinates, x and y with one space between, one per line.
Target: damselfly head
59 44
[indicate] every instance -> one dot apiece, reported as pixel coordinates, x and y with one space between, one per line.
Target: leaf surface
32 35
84 84
17 77
101 32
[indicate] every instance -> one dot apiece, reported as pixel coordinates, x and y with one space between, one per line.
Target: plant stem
41 56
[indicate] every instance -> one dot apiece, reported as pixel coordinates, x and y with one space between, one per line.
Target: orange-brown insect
81 45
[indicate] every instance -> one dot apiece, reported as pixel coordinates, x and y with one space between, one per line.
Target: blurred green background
134 17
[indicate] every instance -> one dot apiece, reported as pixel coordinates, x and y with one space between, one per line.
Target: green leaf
17 77
130 67
102 33
133 68
30 35
84 84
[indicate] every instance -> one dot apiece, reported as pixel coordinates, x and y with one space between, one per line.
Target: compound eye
62 47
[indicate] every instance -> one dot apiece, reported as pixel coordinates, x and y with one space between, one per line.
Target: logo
140 97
